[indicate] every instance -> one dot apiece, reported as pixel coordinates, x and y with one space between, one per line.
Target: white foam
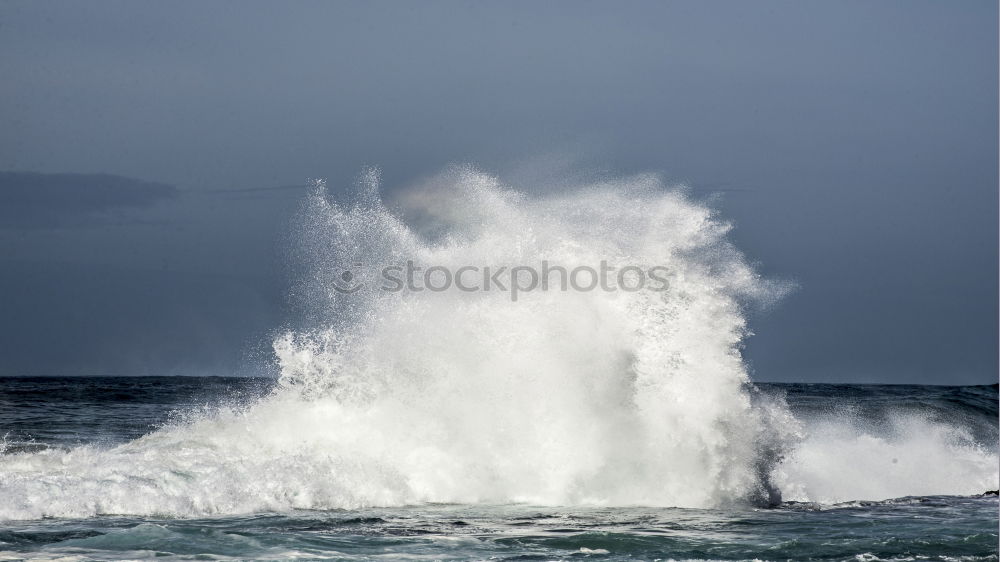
607 398
838 461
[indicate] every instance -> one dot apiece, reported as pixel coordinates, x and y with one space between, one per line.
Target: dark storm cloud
33 200
854 143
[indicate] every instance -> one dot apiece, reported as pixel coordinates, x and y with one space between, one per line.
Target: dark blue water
50 414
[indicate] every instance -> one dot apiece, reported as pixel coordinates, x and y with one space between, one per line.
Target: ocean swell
558 397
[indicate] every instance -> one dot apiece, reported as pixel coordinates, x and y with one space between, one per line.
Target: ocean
51 504
558 377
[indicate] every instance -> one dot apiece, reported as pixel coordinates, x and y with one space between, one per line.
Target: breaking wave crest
560 397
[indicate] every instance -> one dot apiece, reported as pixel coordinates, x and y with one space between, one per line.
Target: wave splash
563 397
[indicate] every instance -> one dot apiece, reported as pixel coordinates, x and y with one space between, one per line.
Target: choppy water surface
40 414
472 424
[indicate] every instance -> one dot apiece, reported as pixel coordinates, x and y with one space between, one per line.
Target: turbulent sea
480 422
945 520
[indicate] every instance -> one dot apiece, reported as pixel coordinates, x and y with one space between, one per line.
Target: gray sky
853 144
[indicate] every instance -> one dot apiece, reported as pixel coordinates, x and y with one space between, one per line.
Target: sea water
473 424
877 510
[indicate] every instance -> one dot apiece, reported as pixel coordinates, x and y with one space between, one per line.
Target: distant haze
153 154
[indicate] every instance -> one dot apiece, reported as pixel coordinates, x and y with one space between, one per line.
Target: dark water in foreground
42 414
